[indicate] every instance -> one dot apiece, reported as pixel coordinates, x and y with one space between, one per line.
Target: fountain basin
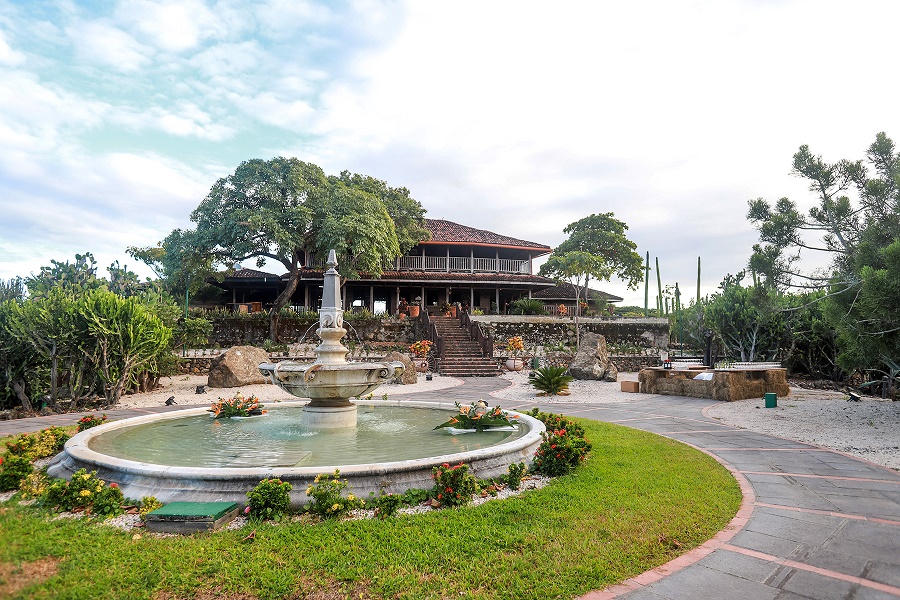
170 483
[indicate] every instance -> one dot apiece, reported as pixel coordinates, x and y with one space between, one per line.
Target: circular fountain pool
189 456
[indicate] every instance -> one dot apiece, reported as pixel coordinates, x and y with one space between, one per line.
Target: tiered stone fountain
189 456
330 381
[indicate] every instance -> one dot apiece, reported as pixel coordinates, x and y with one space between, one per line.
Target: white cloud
101 43
8 56
172 26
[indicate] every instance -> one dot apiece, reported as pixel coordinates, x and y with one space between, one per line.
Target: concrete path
814 523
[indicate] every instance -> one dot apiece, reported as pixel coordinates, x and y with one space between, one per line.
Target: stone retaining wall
651 333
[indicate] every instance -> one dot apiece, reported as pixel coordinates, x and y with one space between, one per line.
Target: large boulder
409 368
592 359
238 367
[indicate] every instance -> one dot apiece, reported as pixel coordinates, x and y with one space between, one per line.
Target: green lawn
637 502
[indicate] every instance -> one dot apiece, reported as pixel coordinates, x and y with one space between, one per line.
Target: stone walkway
814 523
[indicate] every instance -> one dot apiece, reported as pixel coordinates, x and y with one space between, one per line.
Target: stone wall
647 333
254 331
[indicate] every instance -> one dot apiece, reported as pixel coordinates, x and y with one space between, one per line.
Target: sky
519 117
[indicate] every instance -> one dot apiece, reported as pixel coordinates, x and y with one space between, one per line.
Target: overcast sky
518 117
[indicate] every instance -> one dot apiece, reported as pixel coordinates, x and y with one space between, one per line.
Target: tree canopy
860 235
286 210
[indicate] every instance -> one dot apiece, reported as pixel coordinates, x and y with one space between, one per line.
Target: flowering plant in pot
515 346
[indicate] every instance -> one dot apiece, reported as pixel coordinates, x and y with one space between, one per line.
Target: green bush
454 486
514 475
84 491
550 379
42 444
88 421
560 452
148 505
270 499
553 421
386 505
13 470
327 499
527 306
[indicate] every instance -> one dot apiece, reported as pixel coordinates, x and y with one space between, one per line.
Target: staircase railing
475 332
432 333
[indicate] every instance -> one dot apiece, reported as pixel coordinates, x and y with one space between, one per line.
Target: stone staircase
463 356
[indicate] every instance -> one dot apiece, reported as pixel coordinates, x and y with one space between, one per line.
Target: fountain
389 447
330 381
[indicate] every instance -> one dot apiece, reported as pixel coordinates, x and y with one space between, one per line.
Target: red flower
114 485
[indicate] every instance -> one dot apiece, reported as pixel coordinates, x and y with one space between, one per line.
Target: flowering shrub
560 452
561 310
34 485
479 416
13 470
386 505
554 421
237 407
453 486
421 348
328 501
88 421
85 491
515 345
148 505
514 475
20 445
269 499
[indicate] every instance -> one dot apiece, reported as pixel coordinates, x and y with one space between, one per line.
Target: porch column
471 299
372 298
497 299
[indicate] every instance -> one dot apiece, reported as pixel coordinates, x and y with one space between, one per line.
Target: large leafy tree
596 249
283 210
860 235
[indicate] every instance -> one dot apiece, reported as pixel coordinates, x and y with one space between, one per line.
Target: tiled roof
251 274
566 291
449 232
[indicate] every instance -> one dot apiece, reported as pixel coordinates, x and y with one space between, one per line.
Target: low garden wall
253 331
649 333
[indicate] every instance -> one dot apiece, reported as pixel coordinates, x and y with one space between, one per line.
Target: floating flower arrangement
237 407
479 416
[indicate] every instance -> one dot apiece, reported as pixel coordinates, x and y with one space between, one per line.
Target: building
459 264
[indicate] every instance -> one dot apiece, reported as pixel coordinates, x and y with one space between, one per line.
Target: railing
432 334
439 263
487 344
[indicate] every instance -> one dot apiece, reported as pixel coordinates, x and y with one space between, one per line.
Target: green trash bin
771 399
535 363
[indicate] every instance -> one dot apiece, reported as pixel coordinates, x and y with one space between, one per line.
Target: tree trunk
283 298
19 389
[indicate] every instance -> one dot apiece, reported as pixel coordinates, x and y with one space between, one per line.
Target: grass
637 502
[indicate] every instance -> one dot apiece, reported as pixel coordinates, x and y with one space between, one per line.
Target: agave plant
551 380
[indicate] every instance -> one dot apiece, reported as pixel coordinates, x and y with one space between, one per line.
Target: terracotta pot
413 312
515 364
421 364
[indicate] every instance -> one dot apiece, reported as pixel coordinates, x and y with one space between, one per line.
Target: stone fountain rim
77 448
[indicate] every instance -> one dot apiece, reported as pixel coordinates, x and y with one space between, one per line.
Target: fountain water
146 455
330 381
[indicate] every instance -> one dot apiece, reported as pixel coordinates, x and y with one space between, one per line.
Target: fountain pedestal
330 381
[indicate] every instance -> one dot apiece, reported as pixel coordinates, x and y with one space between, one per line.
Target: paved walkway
814 523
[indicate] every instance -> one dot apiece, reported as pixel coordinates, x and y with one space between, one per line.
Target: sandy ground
869 429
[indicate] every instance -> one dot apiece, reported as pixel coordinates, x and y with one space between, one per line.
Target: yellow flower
85 493
351 497
335 506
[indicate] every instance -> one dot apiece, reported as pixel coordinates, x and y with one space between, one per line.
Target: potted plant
515 346
414 308
420 351
403 309
448 309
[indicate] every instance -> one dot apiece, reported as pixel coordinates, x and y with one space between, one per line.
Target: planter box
630 386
